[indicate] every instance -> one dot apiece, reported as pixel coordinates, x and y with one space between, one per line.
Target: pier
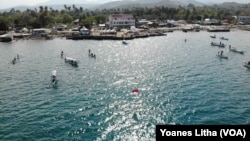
218 29
117 36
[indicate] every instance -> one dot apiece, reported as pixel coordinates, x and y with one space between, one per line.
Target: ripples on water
179 83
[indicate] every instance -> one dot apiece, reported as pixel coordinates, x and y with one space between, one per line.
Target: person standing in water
89 52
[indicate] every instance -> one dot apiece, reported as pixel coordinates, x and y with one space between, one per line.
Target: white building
243 19
121 20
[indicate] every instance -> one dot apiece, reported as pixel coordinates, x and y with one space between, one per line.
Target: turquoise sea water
179 83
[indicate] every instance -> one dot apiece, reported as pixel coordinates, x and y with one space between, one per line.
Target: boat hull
5 38
237 51
222 56
71 61
246 65
212 36
218 45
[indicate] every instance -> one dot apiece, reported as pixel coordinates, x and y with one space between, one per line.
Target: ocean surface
179 83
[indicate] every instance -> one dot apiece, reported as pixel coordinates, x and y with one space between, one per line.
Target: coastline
128 34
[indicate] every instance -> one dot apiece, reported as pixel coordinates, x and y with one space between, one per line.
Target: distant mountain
56 7
59 5
149 3
67 2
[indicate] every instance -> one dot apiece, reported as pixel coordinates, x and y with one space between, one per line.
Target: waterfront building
116 20
243 19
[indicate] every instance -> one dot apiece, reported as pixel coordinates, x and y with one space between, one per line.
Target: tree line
46 16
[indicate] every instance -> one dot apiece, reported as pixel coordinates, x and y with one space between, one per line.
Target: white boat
71 60
235 50
222 56
212 36
53 78
6 38
247 64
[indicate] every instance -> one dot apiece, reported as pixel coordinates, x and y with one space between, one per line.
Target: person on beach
89 51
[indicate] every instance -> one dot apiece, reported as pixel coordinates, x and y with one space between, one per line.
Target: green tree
4 23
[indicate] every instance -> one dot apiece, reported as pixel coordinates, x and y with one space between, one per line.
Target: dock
118 36
218 29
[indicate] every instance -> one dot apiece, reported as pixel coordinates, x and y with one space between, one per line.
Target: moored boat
247 64
72 61
235 50
6 38
212 36
223 38
222 56
217 44
124 42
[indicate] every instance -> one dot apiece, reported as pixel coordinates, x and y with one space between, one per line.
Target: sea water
179 83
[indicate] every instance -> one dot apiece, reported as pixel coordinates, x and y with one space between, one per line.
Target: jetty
116 36
218 29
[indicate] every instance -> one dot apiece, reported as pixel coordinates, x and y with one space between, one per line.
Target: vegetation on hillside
48 17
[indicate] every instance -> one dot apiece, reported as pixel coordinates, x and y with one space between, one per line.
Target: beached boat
233 49
217 44
222 56
247 64
53 78
223 38
6 38
72 61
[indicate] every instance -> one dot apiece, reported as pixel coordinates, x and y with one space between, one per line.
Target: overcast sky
12 3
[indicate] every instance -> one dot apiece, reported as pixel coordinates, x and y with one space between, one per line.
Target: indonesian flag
135 91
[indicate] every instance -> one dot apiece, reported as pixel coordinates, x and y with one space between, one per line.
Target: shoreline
127 34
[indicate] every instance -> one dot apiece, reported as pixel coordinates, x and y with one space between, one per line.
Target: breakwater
108 37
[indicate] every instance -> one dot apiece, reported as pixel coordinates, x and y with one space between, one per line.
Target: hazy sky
12 3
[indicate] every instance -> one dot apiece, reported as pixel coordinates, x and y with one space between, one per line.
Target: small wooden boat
222 56
6 38
247 64
223 38
217 44
212 36
124 42
71 61
235 50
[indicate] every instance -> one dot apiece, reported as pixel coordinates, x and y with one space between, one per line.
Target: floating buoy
135 91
